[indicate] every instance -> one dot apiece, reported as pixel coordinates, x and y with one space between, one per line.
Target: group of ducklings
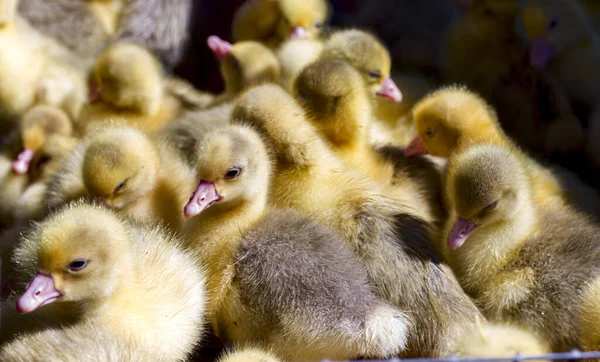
314 228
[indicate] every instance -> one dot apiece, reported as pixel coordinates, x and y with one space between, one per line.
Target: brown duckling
393 245
127 277
525 263
276 276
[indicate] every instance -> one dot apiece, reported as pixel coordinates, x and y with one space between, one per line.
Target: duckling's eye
491 206
120 187
376 74
233 172
42 161
235 63
319 24
77 264
429 132
553 23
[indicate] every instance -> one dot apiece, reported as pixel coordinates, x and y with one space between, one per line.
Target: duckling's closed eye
375 74
490 207
120 187
77 264
233 173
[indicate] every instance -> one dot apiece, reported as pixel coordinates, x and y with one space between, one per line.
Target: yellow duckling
124 169
129 278
293 56
273 22
453 117
524 263
310 178
248 355
256 256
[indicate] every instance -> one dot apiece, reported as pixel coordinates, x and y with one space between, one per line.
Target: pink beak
21 164
204 197
460 232
415 148
94 94
220 47
39 292
390 90
541 52
299 32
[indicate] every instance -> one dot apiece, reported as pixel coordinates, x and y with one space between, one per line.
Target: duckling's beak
220 47
460 232
204 197
415 148
39 292
390 90
299 32
94 94
21 164
541 52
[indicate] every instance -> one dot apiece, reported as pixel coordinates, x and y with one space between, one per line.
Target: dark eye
42 161
319 25
553 23
491 206
429 132
375 74
233 173
235 63
77 264
302 96
120 187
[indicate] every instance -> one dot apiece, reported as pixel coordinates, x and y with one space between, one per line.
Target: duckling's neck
489 248
350 123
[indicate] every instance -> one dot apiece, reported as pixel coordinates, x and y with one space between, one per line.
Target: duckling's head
233 167
48 159
279 119
127 76
368 55
335 98
244 64
82 254
552 26
37 124
446 118
485 184
302 18
120 165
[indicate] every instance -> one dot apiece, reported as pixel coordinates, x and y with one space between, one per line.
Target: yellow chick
256 255
293 56
124 169
520 260
453 117
310 178
243 65
127 277
275 21
248 355
500 340
129 85
337 103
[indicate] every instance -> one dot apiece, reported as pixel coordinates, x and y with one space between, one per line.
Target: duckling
453 117
273 22
524 263
395 247
87 27
85 341
127 277
337 103
242 65
248 355
126 170
35 127
590 334
293 56
501 340
130 84
262 282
